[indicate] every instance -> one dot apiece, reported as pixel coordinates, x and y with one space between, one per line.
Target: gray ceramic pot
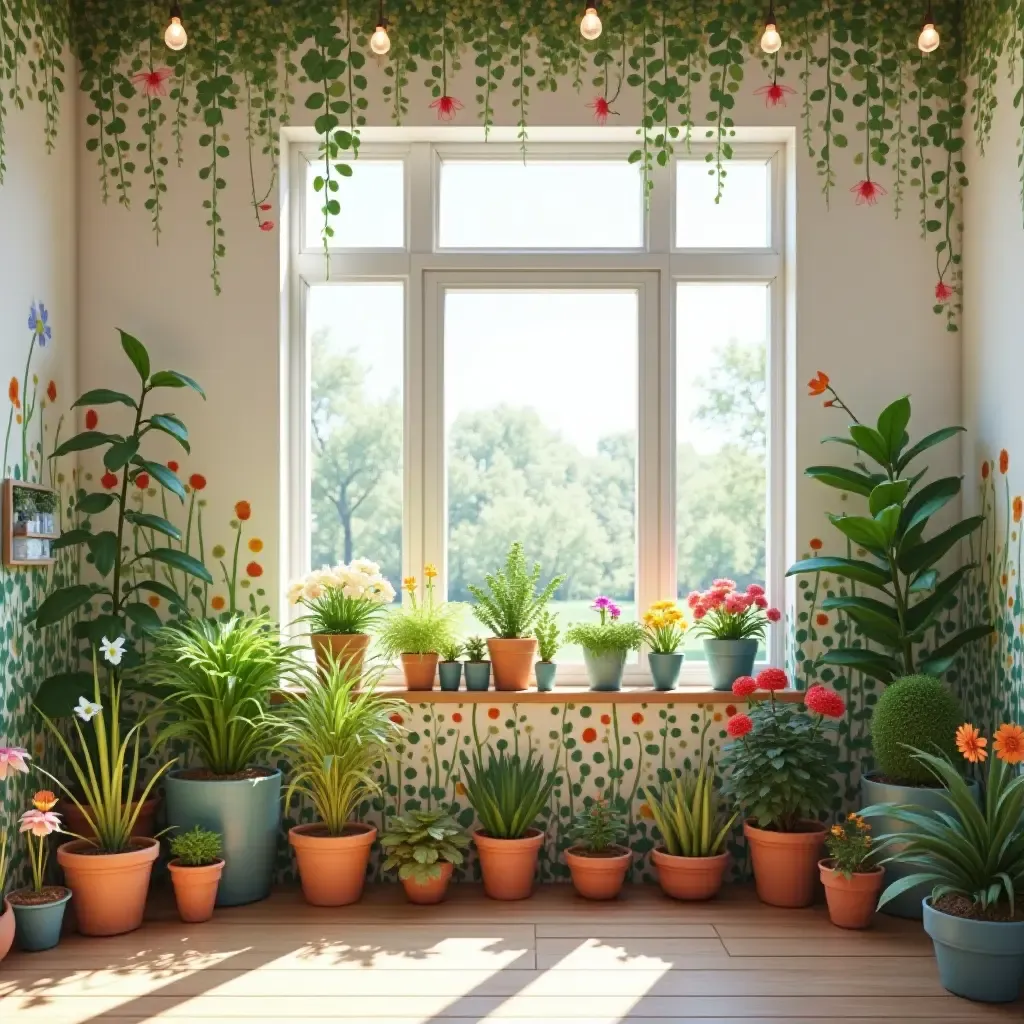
545 673
450 673
665 669
478 675
605 670
728 660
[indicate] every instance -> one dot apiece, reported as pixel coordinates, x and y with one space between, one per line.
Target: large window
503 352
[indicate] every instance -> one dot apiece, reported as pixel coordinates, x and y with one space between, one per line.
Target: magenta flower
40 823
12 759
614 611
601 604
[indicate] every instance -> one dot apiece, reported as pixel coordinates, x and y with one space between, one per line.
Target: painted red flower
493 712
601 108
1018 508
243 510
109 480
151 83
172 466
589 735
606 719
774 94
142 481
254 569
744 686
91 419
1004 461
638 719
823 701
739 725
984 470
51 391
772 679
154 601
943 293
457 718
266 206
816 544
266 225
868 191
197 481
730 710
447 107
821 619
397 718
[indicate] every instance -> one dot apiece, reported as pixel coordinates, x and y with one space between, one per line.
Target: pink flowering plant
725 613
37 824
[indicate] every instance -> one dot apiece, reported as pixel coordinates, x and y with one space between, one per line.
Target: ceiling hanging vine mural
873 106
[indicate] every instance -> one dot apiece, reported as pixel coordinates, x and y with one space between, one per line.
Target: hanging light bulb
590 24
380 41
928 41
176 37
771 41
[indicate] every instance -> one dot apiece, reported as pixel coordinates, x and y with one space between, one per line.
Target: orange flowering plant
850 846
972 851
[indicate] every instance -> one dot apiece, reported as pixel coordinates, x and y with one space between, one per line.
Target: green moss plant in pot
851 875
510 608
6 910
606 644
334 736
217 680
449 668
779 768
477 667
548 641
664 629
424 847
597 862
196 866
508 792
972 859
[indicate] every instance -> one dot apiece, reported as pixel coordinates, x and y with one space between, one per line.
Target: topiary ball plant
916 711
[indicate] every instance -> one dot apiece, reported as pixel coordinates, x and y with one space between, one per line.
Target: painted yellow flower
409 583
1008 743
430 570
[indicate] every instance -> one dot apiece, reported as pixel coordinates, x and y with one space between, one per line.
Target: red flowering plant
780 762
725 613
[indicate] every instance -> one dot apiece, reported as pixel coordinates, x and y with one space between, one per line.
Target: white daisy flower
113 651
86 709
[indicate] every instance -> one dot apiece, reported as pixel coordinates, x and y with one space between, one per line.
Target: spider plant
507 792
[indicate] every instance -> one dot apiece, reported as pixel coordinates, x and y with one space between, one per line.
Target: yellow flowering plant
850 846
664 627
420 627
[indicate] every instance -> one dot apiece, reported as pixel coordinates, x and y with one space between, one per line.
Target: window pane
739 221
722 423
372 206
541 428
569 204
355 335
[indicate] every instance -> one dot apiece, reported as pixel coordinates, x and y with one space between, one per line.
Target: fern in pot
606 644
548 642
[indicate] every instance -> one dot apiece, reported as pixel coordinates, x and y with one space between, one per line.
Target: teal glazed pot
980 960
450 673
728 660
605 670
37 926
545 672
478 675
665 669
922 798
247 813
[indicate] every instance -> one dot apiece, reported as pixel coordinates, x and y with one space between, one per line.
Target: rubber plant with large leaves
907 593
125 578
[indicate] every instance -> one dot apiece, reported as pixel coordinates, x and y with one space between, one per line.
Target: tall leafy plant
512 605
907 592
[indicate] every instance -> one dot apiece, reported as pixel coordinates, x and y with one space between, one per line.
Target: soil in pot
851 901
432 891
38 916
195 889
689 878
332 869
512 661
785 863
508 866
598 876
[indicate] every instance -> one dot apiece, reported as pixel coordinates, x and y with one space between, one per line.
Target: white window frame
426 271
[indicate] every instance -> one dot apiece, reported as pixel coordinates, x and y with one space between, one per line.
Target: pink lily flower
12 759
40 823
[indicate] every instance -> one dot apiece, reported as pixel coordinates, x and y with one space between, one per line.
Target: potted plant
478 668
195 869
547 636
344 602
507 792
450 668
605 644
38 909
418 631
664 628
850 875
109 869
216 681
732 625
973 858
779 769
332 736
597 863
509 608
424 846
7 914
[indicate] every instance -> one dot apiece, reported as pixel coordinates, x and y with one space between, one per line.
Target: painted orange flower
1018 508
645 811
606 719
92 419
254 569
493 712
217 603
1004 461
197 481
589 735
984 470
12 393
243 510
815 544
460 789
1008 743
818 385
51 391
638 719
971 743
44 800
154 601
255 545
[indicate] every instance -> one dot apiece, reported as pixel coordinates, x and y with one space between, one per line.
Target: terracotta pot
345 648
599 878
144 828
689 878
513 662
195 889
419 670
110 888
785 863
508 865
428 892
332 869
851 901
6 929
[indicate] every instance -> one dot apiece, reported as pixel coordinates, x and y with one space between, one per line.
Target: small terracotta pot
428 892
508 865
599 878
144 828
851 901
6 929
689 878
332 869
110 888
419 670
344 648
195 889
513 662
785 863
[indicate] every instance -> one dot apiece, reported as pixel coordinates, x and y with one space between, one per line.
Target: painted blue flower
39 324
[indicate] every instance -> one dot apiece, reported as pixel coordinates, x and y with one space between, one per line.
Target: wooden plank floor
644 959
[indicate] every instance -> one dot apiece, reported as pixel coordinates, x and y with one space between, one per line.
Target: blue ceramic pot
450 673
922 798
728 660
665 668
545 672
478 675
981 960
247 813
37 926
605 670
